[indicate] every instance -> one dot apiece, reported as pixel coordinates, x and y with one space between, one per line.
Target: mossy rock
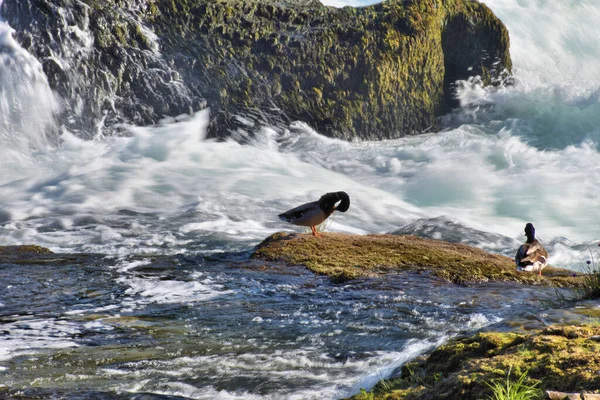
375 72
343 257
23 250
557 358
34 255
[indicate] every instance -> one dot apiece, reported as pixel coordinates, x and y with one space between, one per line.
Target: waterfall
27 103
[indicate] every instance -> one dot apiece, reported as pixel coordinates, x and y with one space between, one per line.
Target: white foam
143 291
28 336
27 104
328 378
478 321
508 164
553 41
412 350
228 226
171 291
94 310
127 265
188 391
234 190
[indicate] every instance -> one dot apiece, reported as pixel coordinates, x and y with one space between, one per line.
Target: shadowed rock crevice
472 49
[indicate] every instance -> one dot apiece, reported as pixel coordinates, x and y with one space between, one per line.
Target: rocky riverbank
562 362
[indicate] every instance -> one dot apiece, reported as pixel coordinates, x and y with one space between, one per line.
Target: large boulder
375 72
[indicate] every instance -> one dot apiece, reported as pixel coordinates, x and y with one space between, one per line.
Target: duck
313 213
531 255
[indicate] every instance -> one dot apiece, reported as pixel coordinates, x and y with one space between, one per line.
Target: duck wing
534 247
521 254
536 252
309 214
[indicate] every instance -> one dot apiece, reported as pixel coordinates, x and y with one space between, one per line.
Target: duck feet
314 231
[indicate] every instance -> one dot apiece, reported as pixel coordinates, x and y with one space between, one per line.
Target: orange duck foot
314 231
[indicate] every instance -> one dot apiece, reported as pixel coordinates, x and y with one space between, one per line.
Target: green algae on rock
375 72
25 254
37 255
23 249
557 358
343 257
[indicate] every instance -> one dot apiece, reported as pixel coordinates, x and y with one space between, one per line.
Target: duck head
530 232
327 202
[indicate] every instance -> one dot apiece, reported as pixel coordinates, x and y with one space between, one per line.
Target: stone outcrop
375 72
343 257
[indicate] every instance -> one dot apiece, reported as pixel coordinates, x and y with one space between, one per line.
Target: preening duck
313 213
531 255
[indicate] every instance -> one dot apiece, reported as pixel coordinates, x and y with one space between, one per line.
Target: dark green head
328 201
530 232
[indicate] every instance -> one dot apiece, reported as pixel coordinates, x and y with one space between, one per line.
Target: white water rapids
156 318
528 152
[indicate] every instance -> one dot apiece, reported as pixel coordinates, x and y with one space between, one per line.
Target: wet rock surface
375 72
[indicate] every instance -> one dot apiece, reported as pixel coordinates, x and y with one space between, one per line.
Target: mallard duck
314 213
531 255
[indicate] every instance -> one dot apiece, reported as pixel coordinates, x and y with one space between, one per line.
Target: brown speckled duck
531 255
313 213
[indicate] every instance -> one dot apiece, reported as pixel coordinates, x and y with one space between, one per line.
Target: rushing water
211 329
176 308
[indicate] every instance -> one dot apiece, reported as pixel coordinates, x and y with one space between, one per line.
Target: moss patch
372 72
563 358
25 249
380 71
344 257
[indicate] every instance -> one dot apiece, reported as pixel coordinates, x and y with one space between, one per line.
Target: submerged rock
37 255
375 72
343 257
